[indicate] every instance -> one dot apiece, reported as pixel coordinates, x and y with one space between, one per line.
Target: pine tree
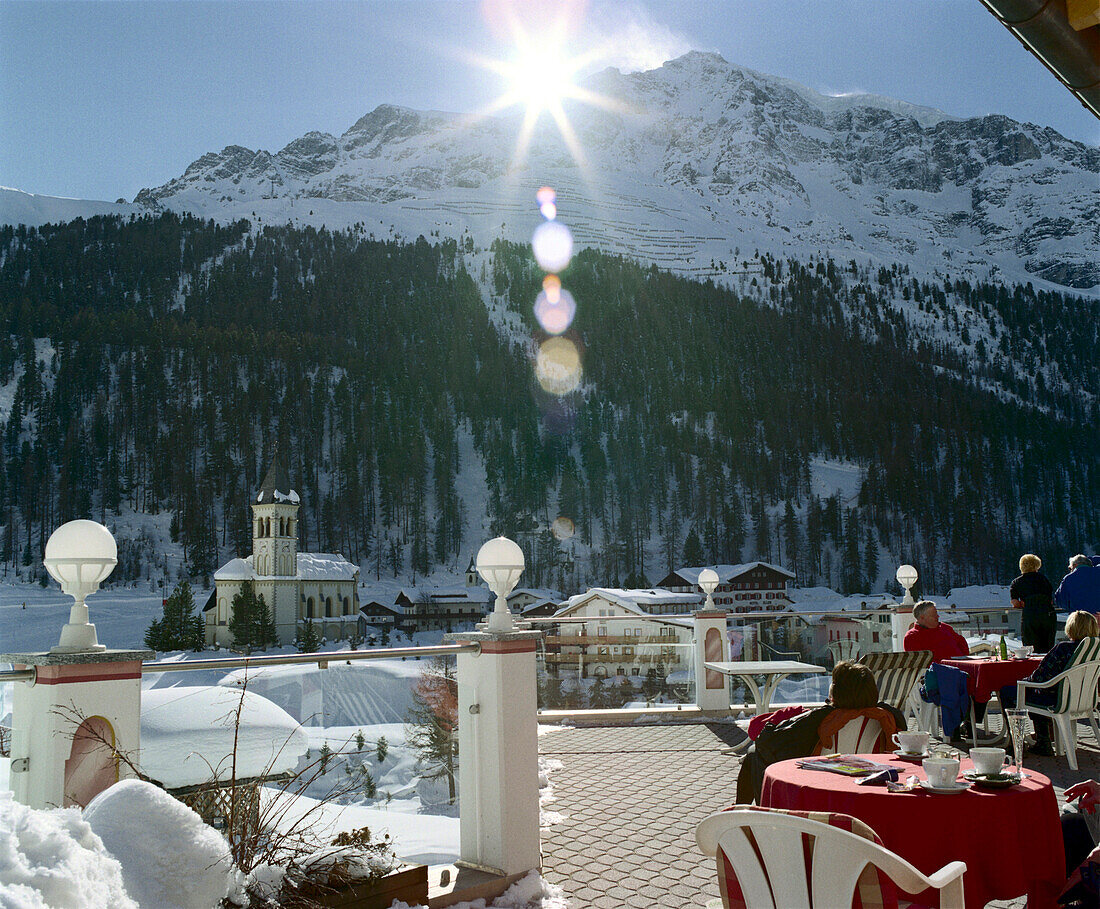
307 639
693 549
178 628
251 626
381 748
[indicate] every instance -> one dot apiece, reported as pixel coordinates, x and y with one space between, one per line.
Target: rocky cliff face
697 161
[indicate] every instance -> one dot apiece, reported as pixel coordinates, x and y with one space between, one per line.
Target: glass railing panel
612 662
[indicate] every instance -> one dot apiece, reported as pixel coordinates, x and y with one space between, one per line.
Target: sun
541 79
539 76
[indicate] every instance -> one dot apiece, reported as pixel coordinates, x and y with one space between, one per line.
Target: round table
1010 839
985 677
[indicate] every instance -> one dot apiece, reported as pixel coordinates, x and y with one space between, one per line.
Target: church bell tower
275 524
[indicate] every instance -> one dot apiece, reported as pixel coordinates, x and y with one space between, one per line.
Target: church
295 585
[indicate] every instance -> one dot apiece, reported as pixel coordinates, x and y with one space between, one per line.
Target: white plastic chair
765 851
857 736
1075 698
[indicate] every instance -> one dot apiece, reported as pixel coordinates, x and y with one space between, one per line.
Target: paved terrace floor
631 796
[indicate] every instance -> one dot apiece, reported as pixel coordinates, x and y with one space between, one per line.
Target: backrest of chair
1077 691
897 674
745 875
858 736
783 861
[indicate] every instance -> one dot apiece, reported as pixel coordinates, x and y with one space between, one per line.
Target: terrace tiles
631 796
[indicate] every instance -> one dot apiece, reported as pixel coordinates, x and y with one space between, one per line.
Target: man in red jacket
928 633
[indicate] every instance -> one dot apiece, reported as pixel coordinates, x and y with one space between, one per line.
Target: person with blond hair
1079 625
1033 593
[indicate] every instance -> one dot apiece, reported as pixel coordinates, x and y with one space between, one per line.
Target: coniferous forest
149 366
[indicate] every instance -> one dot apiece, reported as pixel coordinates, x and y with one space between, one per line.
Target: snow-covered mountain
696 164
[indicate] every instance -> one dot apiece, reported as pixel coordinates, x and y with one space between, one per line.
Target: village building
444 608
296 586
534 601
749 587
627 633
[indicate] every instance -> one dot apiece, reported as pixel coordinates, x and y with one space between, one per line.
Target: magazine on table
846 764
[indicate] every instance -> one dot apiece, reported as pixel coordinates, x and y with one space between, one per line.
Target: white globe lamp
500 563
708 581
907 577
79 556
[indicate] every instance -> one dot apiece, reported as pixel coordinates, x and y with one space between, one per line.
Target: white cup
912 742
988 760
941 772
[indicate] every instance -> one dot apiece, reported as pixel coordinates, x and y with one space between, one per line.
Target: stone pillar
60 720
711 646
899 624
498 774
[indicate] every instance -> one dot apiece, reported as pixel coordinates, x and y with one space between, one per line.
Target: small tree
370 787
306 637
360 740
431 725
381 749
252 625
178 628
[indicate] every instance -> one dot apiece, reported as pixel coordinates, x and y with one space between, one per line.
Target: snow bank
187 733
170 859
53 860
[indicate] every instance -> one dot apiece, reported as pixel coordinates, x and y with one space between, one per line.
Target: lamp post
708 581
79 556
907 577
500 563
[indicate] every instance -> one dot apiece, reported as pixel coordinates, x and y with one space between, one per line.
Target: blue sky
98 100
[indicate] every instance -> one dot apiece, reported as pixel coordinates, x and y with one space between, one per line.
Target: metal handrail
17 675
321 659
742 616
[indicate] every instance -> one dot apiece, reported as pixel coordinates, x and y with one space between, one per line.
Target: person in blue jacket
1080 589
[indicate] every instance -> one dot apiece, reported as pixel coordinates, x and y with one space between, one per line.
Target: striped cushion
873 891
896 674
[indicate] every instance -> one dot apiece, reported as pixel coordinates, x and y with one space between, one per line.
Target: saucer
957 786
994 780
911 755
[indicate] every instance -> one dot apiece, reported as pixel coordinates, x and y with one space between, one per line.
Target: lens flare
551 285
558 366
563 528
555 317
553 245
548 202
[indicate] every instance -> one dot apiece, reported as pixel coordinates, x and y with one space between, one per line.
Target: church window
223 612
259 527
328 607
267 527
347 606
309 608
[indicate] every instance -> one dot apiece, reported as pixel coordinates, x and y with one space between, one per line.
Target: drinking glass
1017 720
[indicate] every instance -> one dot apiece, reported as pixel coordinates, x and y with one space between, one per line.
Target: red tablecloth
986 676
1010 839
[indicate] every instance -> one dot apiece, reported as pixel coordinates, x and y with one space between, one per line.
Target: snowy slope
699 160
696 165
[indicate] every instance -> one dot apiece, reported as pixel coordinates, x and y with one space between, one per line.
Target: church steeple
275 523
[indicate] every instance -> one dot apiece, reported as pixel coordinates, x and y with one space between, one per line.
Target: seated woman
1079 625
853 688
